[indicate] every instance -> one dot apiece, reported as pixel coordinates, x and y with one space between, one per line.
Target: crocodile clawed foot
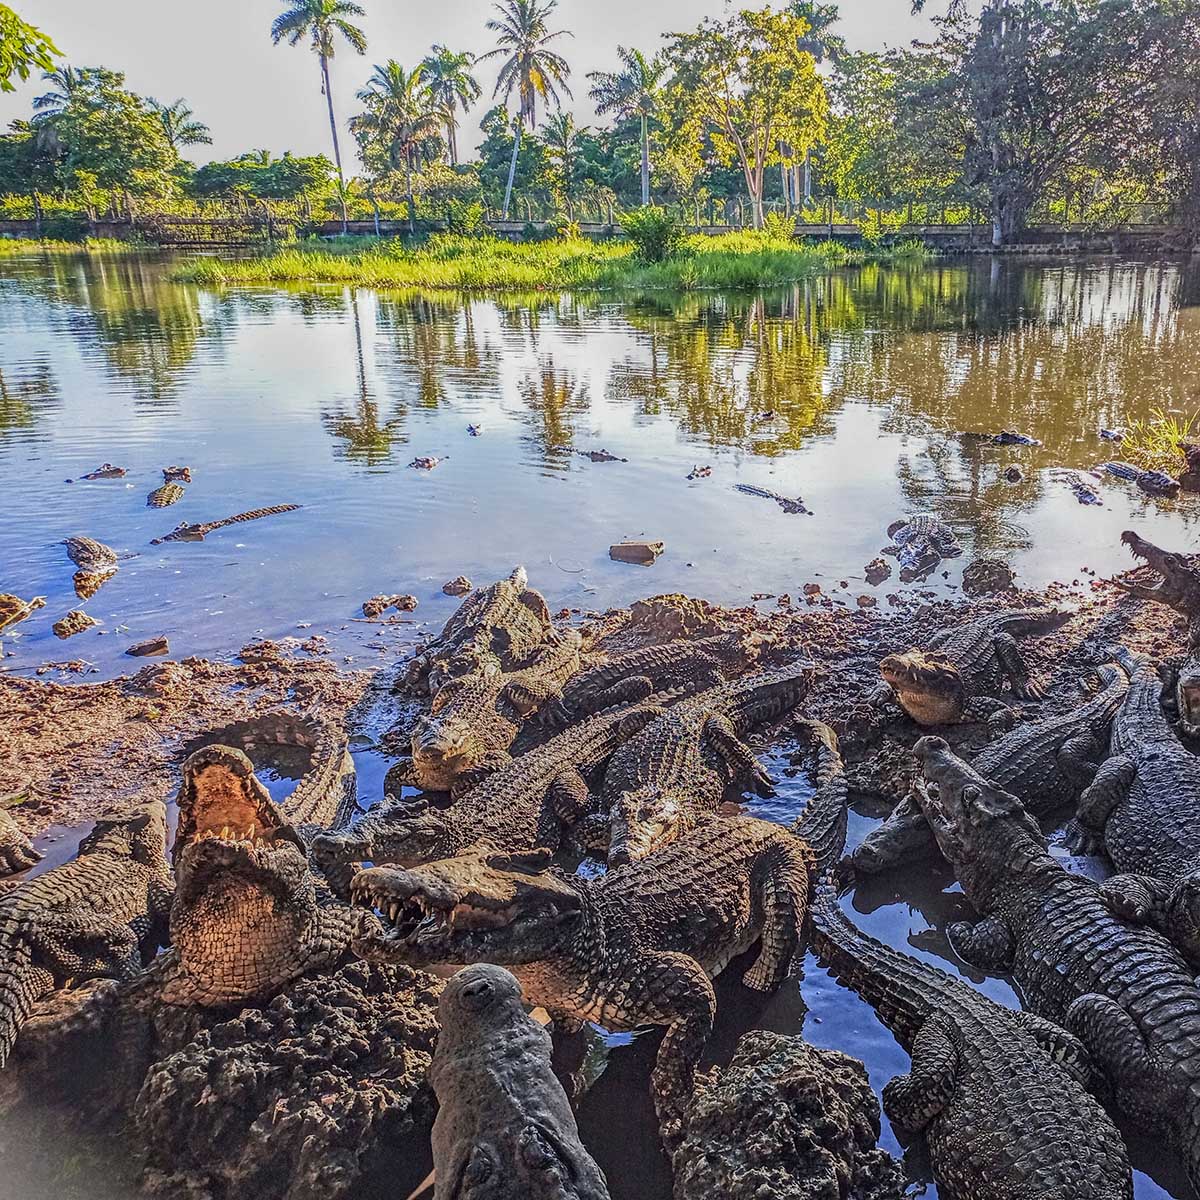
1029 690
762 784
1079 840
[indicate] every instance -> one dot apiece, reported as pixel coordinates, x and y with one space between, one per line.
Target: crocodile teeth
393 910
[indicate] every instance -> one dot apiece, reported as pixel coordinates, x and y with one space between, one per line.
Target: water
322 398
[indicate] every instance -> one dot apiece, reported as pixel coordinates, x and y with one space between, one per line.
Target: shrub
64 229
779 227
464 217
655 233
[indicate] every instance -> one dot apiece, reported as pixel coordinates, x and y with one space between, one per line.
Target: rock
377 605
987 576
867 602
149 648
460 585
675 616
642 554
812 589
74 622
786 1121
877 570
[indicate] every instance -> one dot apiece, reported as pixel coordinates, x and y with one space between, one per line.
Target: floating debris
699 473
474 430
1013 473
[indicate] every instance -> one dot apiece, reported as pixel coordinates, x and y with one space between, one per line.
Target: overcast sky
251 94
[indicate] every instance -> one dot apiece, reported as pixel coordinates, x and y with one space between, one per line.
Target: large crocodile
1144 805
1047 763
1122 990
961 669
999 1095
660 783
504 1127
199 530
493 629
475 718
100 915
530 802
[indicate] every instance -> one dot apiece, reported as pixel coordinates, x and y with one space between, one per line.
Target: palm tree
178 125
530 69
631 92
450 82
560 136
821 44
400 116
320 20
69 82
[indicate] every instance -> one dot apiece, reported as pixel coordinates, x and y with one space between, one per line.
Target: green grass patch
1153 444
470 264
11 246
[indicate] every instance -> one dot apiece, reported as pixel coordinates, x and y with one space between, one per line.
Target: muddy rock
288 1102
376 606
74 622
150 648
460 585
987 576
675 615
877 570
785 1120
640 553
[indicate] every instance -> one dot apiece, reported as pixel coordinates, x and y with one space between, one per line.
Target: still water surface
848 391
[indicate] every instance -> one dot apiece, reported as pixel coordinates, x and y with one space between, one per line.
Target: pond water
850 390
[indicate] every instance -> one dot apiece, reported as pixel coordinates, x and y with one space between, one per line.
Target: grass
470 264
1153 444
10 246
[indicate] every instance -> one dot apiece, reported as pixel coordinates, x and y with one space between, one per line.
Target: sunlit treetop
23 49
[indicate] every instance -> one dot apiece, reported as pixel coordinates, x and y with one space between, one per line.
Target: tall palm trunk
512 166
452 136
337 150
645 161
412 228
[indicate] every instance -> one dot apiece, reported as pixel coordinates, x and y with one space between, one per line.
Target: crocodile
999 1095
16 850
99 916
14 610
165 496
90 555
789 504
1008 437
504 1126
676 770
1081 489
105 471
530 802
634 675
1144 806
921 541
492 630
1122 989
198 531
1189 477
1047 763
637 947
1157 483
475 718
959 672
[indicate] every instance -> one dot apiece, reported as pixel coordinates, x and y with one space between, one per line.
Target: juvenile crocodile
199 531
1157 483
492 630
105 471
504 1127
788 504
637 947
999 1095
90 555
165 496
530 802
1122 990
475 718
1144 805
1047 763
16 850
100 915
675 772
684 666
921 541
959 673
177 474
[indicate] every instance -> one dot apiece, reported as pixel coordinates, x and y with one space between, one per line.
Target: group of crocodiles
534 742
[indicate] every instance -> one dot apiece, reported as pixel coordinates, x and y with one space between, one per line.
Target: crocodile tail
1128 662
823 822
22 985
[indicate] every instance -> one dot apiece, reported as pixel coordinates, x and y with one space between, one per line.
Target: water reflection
25 398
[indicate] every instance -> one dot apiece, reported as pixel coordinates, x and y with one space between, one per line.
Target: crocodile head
1178 585
642 820
142 834
480 906
928 686
1187 697
446 741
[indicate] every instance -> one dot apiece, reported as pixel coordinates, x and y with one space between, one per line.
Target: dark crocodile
99 916
16 850
1144 805
921 541
1048 763
637 947
198 531
494 629
1000 1096
1157 483
634 675
789 504
1122 989
475 718
504 1126
1009 437
531 802
957 676
660 783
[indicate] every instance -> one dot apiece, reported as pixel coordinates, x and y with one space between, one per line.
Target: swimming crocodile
1122 989
787 503
673 773
199 531
958 675
165 496
504 1127
90 555
1047 763
1000 1095
1157 483
99 916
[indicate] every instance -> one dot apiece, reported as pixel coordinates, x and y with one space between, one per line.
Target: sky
252 94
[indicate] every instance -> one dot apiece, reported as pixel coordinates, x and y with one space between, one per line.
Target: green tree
562 140
530 69
744 87
631 93
179 124
68 84
822 43
448 76
23 48
320 21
